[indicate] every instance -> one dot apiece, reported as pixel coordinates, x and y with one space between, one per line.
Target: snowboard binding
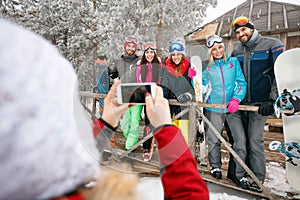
288 101
290 149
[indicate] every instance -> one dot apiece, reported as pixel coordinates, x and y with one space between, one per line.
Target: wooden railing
194 111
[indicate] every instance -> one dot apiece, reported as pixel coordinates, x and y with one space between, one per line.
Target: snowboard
287 70
102 80
196 64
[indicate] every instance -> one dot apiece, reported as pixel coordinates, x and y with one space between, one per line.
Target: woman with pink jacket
148 70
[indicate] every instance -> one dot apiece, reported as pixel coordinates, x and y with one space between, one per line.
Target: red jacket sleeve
180 179
103 133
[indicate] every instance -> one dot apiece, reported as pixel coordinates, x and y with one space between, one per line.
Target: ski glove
266 107
233 105
184 97
191 73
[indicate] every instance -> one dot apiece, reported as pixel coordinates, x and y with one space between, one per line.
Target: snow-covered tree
82 29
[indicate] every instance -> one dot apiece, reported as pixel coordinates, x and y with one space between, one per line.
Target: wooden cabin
270 18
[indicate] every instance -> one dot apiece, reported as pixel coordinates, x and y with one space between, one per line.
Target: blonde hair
116 185
212 60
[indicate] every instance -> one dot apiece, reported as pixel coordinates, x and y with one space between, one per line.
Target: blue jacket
226 81
257 58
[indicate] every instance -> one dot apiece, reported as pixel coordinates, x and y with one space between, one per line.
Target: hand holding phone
158 110
113 111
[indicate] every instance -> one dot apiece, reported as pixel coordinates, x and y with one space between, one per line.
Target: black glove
184 97
266 107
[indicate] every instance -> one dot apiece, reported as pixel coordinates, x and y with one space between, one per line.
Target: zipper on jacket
247 58
223 84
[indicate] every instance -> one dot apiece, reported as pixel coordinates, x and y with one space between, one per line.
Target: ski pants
254 127
253 124
130 125
214 144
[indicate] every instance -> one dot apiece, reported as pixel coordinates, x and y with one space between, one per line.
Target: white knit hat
177 47
44 152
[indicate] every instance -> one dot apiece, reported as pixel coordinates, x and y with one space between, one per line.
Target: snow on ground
276 181
150 188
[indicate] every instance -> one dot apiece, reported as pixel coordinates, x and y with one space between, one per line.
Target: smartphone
135 92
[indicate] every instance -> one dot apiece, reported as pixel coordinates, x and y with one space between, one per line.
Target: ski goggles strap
149 45
176 46
215 39
241 21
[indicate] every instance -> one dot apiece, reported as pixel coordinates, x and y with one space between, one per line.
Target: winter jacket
257 57
125 69
149 77
226 80
175 157
175 83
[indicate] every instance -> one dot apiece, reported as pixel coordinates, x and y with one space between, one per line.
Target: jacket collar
129 58
171 67
253 39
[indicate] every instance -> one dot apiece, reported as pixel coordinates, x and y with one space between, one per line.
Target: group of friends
245 77
43 153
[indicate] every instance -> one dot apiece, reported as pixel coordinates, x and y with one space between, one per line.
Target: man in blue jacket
256 55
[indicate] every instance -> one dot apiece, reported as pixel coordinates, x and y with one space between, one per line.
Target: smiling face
244 34
176 57
217 51
149 55
130 49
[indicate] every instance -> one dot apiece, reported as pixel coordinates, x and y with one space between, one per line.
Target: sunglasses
176 46
149 45
215 39
239 21
131 39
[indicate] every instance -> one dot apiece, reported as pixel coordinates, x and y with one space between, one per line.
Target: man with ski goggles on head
256 54
125 69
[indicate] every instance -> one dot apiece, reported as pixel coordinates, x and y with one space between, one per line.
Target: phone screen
134 93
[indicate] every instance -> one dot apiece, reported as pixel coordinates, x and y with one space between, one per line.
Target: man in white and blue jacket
256 55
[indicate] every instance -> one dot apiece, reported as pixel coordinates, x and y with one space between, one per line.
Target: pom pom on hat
241 22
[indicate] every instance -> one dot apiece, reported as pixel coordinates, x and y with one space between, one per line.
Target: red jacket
180 179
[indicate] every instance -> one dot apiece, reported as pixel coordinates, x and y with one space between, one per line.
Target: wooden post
192 127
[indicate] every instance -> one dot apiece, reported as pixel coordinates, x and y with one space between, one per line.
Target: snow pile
276 180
